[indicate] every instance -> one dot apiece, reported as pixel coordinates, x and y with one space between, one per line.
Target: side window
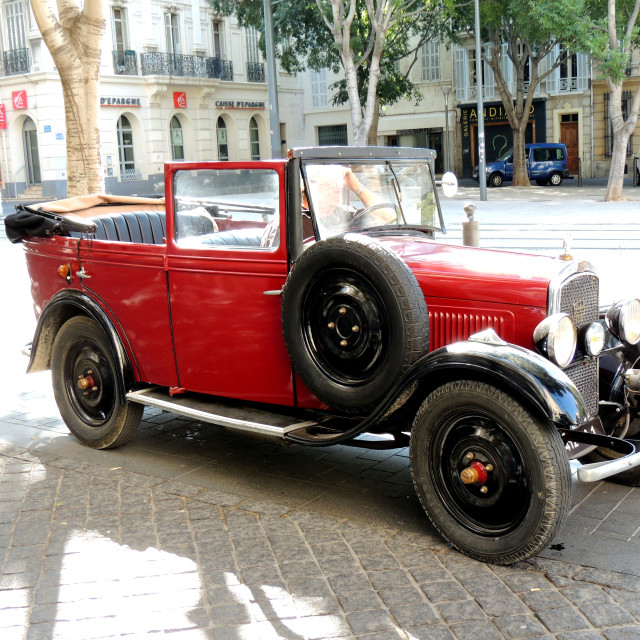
227 208
558 152
540 155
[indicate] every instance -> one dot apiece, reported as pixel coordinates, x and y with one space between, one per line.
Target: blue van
546 163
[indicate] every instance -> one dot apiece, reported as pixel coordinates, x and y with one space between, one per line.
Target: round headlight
623 320
556 337
594 339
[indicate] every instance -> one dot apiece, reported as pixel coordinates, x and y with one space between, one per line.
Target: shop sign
120 102
241 104
3 117
180 99
19 99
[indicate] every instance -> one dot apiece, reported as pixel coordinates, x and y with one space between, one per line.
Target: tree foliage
364 38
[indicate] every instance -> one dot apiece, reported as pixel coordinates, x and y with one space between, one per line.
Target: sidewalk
191 532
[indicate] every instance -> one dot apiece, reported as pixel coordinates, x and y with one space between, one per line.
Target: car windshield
506 156
373 194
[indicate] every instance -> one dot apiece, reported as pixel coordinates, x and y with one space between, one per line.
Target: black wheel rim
345 326
502 504
90 383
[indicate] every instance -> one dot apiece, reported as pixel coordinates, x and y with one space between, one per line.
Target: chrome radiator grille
578 296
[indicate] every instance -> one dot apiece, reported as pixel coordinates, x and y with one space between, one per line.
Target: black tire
496 180
85 385
541 183
555 179
354 319
526 494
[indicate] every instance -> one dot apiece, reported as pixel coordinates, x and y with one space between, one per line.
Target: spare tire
354 319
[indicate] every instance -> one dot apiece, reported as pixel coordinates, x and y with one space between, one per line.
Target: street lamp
479 87
446 90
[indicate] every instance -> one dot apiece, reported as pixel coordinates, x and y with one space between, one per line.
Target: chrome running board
227 414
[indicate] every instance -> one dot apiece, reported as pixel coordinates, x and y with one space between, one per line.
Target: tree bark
74 42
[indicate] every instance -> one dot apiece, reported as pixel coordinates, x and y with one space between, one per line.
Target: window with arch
254 138
125 149
177 140
223 147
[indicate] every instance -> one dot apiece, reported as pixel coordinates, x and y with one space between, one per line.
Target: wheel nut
332 325
342 310
470 456
469 475
343 343
488 467
483 489
355 328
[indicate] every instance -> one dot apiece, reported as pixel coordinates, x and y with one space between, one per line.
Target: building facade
176 82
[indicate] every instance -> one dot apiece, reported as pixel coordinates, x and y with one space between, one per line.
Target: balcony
255 72
16 61
125 63
174 64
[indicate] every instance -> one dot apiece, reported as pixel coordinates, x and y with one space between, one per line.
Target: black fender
523 373
63 306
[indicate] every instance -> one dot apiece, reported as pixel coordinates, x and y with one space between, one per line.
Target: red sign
179 99
3 117
19 99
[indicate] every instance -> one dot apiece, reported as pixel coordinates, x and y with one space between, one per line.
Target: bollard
470 229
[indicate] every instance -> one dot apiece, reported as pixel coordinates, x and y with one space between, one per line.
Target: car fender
62 307
521 372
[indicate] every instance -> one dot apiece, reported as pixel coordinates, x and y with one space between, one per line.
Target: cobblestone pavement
191 532
197 533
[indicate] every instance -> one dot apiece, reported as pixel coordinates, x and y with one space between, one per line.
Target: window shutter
583 72
462 77
553 80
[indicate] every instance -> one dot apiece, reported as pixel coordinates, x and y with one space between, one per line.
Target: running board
228 414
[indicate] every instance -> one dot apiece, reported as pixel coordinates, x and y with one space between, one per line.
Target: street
197 533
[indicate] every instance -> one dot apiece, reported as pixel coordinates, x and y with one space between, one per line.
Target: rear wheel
555 179
496 180
86 386
493 478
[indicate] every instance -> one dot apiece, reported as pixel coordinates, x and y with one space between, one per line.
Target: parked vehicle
309 301
546 164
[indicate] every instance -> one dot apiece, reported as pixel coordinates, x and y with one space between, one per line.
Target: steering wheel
367 210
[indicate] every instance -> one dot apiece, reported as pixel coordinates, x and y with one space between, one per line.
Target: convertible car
314 299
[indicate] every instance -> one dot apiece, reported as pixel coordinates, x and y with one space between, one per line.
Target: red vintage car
308 300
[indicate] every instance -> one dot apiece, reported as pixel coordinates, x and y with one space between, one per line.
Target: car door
227 263
508 168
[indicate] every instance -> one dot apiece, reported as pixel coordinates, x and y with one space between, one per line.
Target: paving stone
369 621
544 600
361 600
605 614
622 633
443 591
459 611
558 620
519 626
481 630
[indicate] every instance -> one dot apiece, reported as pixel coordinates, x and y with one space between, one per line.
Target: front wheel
86 387
496 180
493 478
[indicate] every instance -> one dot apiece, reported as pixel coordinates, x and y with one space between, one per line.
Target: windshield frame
391 164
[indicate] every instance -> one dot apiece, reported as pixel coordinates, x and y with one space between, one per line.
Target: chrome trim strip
600 470
222 421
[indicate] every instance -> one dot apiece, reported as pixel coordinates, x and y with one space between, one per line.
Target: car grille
578 297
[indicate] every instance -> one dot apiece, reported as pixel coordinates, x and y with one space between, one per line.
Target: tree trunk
520 173
74 43
373 131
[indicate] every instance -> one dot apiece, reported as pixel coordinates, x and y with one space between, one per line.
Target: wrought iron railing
16 61
125 63
175 64
255 72
129 175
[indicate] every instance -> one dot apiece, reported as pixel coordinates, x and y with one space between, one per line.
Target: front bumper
629 451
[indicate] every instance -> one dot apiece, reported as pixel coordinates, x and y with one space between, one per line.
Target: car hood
448 271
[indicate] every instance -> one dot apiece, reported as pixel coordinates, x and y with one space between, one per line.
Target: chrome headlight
593 339
623 320
556 337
